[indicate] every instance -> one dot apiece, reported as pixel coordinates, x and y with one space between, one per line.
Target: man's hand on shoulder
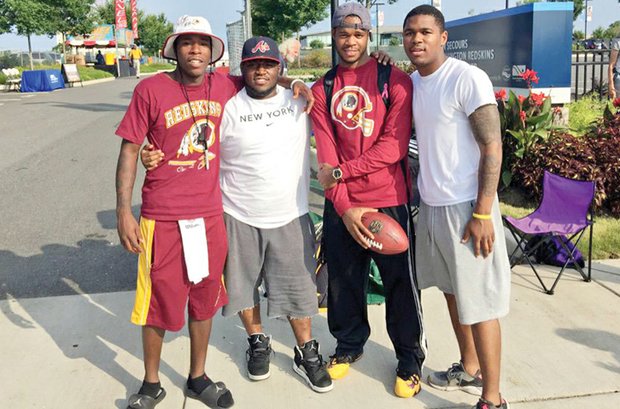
352 219
129 231
382 57
300 88
151 157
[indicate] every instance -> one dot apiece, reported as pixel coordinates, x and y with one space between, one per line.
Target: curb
92 82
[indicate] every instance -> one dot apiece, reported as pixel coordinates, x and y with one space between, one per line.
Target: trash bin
109 58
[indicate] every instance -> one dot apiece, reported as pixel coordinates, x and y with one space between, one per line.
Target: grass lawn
606 239
156 67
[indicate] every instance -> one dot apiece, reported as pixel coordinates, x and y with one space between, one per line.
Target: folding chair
563 211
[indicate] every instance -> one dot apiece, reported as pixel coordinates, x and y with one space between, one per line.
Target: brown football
390 238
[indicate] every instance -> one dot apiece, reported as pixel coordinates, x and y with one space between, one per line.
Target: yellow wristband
481 216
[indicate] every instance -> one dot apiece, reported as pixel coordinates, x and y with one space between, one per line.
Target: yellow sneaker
339 365
407 388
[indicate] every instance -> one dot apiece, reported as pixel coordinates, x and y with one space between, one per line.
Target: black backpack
383 84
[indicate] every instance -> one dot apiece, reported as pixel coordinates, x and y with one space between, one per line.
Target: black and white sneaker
258 356
309 364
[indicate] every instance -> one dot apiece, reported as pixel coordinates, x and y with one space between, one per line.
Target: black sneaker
309 364
485 404
258 355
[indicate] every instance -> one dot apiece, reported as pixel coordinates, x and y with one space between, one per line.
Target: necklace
201 139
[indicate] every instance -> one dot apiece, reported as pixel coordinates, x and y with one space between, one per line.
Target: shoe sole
319 389
259 377
349 367
472 390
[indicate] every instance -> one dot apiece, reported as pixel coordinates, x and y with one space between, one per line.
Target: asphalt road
58 157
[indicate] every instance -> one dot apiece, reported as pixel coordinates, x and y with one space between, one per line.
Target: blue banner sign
505 43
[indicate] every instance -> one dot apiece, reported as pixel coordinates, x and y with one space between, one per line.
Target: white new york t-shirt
449 154
264 164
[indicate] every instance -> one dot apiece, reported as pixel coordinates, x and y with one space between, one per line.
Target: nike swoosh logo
269 124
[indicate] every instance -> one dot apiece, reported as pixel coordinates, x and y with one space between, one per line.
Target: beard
259 94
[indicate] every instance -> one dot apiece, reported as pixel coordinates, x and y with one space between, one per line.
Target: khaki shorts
481 285
281 258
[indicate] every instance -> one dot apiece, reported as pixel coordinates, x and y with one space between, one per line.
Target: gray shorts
281 258
480 285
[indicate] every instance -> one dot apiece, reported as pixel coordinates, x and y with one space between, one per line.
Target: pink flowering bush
525 121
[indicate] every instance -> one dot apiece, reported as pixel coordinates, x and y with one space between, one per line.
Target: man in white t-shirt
264 177
265 182
460 246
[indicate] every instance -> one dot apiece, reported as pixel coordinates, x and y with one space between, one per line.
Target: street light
333 7
377 13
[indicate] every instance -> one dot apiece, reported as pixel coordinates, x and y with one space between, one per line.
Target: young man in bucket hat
361 144
181 238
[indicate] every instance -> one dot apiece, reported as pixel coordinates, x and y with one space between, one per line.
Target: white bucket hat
193 25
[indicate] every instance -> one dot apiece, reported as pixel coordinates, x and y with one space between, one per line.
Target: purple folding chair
563 211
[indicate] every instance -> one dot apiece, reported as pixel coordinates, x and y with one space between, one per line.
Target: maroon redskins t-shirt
186 184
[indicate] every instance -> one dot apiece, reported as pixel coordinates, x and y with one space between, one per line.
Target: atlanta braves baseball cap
260 48
352 8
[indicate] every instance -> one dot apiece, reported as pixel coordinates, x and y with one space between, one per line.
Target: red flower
522 116
530 76
501 94
617 102
538 99
521 99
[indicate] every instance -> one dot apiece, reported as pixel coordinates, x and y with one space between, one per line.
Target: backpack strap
328 87
383 82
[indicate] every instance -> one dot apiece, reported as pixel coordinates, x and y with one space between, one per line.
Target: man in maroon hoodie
361 144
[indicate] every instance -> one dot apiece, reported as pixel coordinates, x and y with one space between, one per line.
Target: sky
604 13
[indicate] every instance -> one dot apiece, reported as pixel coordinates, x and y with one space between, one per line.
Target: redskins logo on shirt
349 108
192 142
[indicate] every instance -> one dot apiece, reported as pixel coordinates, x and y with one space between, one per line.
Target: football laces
374 243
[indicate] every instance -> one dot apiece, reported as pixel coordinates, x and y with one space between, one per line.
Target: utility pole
248 19
333 7
377 4
506 3
585 34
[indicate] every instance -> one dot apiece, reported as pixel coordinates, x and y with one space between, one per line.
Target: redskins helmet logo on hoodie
349 108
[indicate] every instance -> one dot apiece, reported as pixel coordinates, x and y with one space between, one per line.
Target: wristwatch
337 174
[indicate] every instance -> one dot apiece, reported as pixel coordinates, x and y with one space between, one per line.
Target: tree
72 17
153 31
394 41
599 32
613 31
40 17
316 44
578 35
290 17
106 13
27 18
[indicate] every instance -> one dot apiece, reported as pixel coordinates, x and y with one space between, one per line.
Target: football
390 238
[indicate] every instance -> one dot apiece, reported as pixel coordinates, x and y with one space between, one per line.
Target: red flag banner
121 18
134 18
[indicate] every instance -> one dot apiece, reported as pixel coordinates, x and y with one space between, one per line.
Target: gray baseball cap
352 8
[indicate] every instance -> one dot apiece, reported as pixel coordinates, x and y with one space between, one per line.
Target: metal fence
589 73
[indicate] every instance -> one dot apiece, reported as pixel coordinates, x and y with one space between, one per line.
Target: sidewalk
80 351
